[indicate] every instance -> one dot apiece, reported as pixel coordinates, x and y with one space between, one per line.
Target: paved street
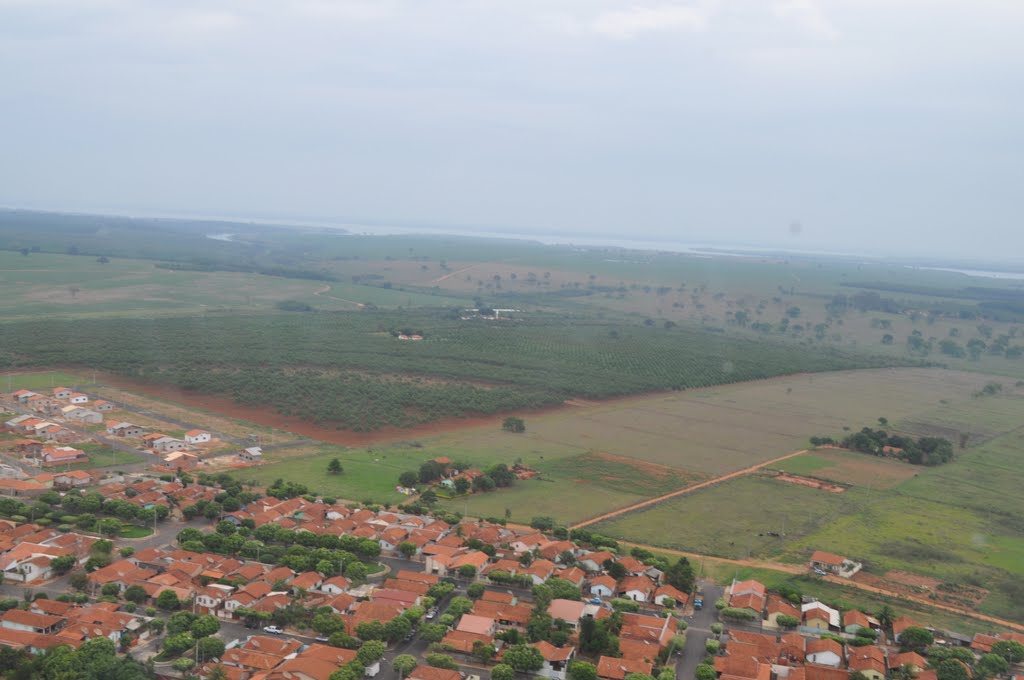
698 633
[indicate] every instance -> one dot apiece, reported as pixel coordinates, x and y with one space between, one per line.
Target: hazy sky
894 123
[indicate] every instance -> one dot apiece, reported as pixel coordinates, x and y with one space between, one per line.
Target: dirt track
686 490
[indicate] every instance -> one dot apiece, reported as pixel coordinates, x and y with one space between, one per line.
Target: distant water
980 273
221 237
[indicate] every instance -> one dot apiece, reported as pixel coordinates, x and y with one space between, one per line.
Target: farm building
834 564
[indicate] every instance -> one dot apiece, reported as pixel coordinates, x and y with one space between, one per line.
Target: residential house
125 430
253 454
61 455
778 606
854 620
167 444
636 588
102 406
78 398
834 564
748 595
431 673
869 660
665 592
62 392
824 652
556 659
16 619
901 624
197 437
914 661
336 585
602 586
21 487
819 616
72 479
610 668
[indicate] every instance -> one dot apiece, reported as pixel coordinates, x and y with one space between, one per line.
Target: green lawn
101 456
134 531
41 381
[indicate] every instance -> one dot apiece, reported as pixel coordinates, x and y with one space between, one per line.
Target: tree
886 616
680 575
485 652
334 467
991 665
408 479
371 652
616 570
503 672
176 644
167 600
638 676
442 661
786 621
462 485
459 606
582 670
705 672
514 424
63 564
467 571
370 630
184 664
110 589
915 639
211 648
205 626
403 664
524 658
433 632
475 591
952 669
1011 650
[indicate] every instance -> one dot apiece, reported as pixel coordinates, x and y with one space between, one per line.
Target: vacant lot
606 455
855 469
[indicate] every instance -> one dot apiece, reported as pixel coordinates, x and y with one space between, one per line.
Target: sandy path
457 271
687 489
323 291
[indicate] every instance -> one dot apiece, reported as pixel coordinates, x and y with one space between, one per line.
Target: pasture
855 469
71 286
599 456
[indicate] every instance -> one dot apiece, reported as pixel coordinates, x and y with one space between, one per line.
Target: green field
41 381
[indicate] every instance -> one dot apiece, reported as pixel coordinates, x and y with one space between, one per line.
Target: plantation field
855 469
350 372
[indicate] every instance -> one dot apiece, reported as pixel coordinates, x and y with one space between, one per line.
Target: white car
273 630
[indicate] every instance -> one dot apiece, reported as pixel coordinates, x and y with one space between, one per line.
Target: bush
717 628
738 614
183 664
712 646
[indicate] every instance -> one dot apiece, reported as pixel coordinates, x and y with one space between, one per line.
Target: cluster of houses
50 623
791 656
261 657
27 550
785 654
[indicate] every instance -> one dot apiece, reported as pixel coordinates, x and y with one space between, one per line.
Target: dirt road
686 490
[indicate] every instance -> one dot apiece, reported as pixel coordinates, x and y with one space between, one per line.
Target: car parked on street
273 630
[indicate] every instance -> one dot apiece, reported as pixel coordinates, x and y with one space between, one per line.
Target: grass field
734 519
640 441
855 469
40 381
79 286
959 523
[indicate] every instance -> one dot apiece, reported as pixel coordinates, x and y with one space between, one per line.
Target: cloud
807 16
625 24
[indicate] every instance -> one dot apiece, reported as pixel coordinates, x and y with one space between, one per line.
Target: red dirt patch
915 585
652 469
808 481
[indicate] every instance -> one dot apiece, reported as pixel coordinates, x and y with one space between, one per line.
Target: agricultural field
351 372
